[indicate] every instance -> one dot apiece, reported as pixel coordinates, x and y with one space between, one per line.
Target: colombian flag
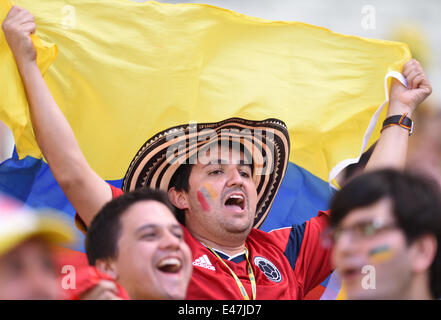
122 71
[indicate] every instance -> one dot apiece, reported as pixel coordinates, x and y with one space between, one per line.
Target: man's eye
215 172
179 235
364 229
148 236
245 174
369 230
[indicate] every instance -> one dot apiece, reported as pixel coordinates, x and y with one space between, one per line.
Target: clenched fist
18 26
406 100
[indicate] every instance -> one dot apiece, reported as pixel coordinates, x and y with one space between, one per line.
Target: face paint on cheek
203 201
380 254
210 191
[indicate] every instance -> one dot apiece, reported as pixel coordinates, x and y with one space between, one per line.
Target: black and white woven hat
264 143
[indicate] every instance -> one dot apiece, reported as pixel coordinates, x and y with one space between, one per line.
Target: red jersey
287 263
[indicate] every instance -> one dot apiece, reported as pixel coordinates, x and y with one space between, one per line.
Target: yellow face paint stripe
211 192
381 257
380 254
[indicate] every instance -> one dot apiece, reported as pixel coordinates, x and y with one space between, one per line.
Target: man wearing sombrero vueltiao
222 194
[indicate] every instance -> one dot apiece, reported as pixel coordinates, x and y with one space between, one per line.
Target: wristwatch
402 121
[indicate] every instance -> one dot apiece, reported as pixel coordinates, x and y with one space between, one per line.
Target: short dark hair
180 181
103 234
416 207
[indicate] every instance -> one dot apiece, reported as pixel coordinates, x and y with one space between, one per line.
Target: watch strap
400 120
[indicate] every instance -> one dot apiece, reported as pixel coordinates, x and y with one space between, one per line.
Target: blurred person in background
425 149
386 232
424 154
135 241
27 266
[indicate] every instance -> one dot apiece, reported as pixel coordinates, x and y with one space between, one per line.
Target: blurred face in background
372 255
27 272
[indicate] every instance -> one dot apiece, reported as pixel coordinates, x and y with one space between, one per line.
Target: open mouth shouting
350 273
236 202
169 265
171 275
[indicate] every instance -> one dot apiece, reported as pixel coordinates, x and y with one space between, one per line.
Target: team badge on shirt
268 268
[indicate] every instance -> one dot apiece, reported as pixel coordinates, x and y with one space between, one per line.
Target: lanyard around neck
238 282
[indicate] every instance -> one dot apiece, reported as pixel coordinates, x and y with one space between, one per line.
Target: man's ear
423 252
108 267
178 198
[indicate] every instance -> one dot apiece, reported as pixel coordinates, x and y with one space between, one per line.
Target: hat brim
264 143
51 229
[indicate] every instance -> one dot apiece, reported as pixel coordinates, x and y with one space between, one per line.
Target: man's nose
234 178
170 241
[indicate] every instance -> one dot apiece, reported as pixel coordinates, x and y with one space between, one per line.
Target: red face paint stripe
203 201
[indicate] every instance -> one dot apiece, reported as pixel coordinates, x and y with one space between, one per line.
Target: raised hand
18 25
406 100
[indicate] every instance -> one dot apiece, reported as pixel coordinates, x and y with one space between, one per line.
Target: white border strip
343 164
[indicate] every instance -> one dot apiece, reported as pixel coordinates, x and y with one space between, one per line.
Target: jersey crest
268 268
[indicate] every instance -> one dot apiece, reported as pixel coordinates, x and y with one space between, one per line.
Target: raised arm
391 148
86 191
